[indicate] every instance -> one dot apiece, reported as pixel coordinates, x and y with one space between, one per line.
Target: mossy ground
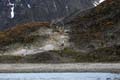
65 56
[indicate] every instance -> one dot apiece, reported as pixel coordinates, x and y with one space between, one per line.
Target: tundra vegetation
96 32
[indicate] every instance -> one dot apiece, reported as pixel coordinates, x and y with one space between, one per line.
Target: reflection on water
59 76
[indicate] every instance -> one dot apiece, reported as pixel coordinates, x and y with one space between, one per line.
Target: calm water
59 76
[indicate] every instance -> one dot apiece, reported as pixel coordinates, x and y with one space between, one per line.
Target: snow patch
12 12
12 9
48 47
29 6
98 2
101 1
23 52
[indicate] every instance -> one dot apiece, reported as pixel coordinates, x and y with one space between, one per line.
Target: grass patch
67 55
10 59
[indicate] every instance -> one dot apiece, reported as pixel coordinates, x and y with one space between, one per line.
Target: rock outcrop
14 12
98 27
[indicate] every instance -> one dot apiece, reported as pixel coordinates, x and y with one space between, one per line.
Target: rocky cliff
14 12
97 28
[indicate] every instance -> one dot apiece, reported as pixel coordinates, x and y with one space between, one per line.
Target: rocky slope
14 12
32 38
97 28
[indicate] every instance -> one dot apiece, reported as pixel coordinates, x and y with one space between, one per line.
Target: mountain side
98 28
91 36
19 32
14 12
33 38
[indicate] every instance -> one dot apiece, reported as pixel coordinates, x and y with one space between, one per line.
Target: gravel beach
69 67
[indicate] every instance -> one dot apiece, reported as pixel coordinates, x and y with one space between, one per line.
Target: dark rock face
98 28
13 12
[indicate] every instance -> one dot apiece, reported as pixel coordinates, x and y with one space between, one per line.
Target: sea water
59 76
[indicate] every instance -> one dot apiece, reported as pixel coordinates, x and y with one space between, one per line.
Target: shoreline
63 67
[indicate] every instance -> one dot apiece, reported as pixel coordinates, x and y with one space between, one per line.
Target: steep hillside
32 38
98 28
14 12
20 32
